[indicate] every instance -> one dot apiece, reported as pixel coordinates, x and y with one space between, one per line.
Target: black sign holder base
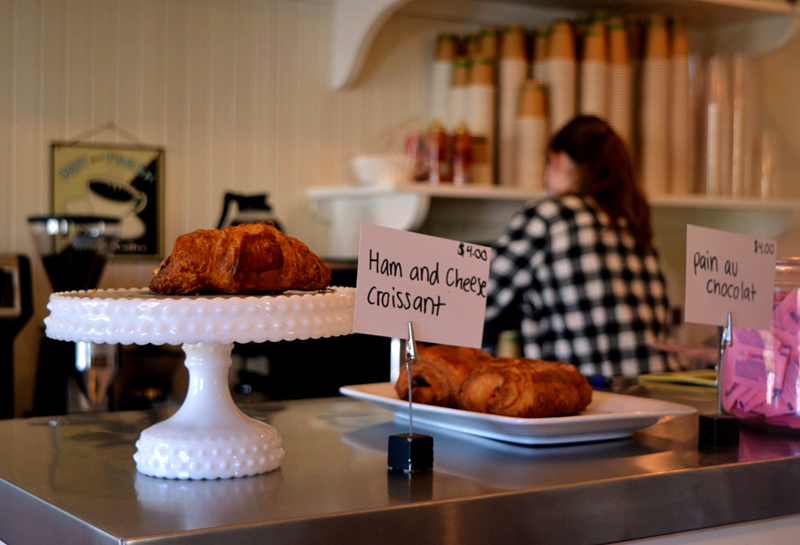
719 430
410 452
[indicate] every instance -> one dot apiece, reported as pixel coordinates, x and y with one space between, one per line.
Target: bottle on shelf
438 152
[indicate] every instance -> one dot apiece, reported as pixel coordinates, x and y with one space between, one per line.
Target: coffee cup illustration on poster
115 182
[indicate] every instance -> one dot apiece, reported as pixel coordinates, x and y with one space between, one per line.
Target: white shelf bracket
355 25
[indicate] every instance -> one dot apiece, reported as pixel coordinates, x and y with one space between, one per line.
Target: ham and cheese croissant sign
438 284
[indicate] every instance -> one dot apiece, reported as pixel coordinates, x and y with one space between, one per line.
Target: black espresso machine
16 307
73 377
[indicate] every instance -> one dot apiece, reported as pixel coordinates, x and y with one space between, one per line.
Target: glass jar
761 371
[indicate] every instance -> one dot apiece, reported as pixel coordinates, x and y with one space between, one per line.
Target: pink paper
786 317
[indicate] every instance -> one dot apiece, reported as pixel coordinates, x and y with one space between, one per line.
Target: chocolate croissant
525 388
438 372
241 259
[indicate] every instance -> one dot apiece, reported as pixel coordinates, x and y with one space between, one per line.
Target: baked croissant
525 388
437 374
241 259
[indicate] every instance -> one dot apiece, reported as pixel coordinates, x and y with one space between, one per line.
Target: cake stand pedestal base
209 437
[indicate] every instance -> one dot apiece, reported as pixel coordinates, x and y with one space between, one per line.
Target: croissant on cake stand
242 259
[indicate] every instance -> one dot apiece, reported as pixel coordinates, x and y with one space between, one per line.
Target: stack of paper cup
737 172
620 82
480 118
726 128
531 136
743 127
561 73
655 109
680 140
713 185
459 96
512 72
635 31
540 54
719 130
442 79
594 69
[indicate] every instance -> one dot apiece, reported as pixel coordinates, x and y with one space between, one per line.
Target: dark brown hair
606 174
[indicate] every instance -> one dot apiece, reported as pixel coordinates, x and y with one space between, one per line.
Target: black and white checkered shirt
583 292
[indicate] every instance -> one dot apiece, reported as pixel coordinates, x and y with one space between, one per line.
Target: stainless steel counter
72 480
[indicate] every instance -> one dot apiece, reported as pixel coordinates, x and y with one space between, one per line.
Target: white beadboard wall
236 91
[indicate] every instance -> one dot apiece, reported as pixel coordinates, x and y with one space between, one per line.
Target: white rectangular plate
608 416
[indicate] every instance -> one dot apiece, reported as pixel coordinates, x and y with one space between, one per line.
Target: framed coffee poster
123 182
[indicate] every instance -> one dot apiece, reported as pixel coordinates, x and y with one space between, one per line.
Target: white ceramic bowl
383 168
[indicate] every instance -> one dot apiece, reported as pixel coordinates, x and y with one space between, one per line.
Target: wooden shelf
722 26
480 214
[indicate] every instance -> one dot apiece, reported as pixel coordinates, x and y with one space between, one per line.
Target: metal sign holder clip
719 430
410 452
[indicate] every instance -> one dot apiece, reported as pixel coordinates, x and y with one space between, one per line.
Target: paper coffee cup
482 72
633 27
480 116
488 43
561 77
657 41
472 46
618 52
594 43
594 75
513 42
446 48
680 40
531 146
654 126
620 100
540 38
561 42
532 99
461 68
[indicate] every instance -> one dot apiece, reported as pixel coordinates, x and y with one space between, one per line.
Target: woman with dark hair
577 271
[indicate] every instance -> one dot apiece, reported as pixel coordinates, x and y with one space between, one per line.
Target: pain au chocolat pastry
241 259
437 373
526 388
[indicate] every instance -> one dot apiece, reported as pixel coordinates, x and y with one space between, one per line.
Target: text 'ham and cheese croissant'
525 388
242 259
438 372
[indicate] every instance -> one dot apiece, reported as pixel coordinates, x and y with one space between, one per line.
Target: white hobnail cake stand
208 437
